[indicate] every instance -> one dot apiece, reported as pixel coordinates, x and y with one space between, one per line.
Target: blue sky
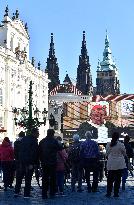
67 19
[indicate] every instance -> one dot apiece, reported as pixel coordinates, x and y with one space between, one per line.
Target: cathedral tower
107 81
52 67
84 78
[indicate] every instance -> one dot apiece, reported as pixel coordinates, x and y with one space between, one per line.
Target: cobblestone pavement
84 198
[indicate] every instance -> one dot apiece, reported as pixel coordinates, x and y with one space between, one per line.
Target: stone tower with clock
107 81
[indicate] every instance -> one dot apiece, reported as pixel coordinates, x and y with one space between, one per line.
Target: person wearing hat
89 152
74 158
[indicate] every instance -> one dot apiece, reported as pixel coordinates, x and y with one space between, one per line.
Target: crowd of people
55 162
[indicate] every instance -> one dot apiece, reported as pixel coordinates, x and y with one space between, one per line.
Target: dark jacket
89 149
74 152
17 145
129 152
48 148
28 153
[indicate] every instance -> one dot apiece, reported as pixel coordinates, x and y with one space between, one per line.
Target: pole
30 100
30 119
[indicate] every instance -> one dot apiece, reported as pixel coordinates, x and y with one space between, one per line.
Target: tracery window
11 44
1 121
1 96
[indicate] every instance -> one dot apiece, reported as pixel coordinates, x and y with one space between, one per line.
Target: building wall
16 74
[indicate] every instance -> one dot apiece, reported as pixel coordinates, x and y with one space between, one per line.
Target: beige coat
115 156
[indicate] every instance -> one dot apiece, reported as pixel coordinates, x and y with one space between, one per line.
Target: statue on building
6 11
17 14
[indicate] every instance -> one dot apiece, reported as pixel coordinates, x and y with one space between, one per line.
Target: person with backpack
74 158
48 149
89 153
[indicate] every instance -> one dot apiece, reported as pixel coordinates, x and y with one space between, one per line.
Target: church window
11 44
1 121
1 96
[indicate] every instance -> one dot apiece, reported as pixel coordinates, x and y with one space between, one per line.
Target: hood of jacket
5 144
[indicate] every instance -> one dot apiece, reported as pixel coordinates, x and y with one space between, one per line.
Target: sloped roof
19 26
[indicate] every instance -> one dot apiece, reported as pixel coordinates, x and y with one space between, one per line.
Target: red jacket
6 152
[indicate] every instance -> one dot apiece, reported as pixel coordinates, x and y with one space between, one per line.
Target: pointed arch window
1 96
11 43
1 121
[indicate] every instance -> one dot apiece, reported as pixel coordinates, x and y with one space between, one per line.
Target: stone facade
16 72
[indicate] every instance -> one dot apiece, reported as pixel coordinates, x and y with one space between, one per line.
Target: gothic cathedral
107 81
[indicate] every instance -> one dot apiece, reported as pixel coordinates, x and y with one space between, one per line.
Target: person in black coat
27 158
130 154
17 144
48 148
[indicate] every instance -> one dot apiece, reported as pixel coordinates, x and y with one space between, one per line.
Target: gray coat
116 156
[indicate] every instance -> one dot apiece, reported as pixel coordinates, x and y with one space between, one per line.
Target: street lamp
27 120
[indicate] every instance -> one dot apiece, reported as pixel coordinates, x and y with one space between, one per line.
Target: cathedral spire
84 77
107 81
83 48
51 50
84 41
107 62
52 67
106 41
